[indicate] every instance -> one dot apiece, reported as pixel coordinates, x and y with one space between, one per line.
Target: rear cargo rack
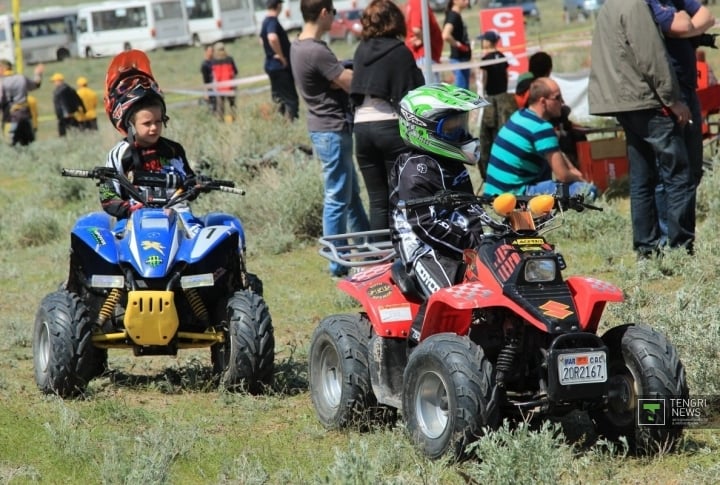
367 248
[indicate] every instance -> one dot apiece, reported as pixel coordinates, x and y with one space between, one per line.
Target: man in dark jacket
67 103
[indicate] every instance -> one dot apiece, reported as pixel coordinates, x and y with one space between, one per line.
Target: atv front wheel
246 360
64 358
448 384
339 372
641 364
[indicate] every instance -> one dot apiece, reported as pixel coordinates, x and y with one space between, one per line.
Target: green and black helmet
434 119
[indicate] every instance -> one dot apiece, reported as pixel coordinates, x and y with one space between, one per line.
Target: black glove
704 40
347 63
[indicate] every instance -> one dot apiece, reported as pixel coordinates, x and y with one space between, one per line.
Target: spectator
15 109
67 103
682 24
526 153
324 82
455 33
430 241
87 119
34 115
495 85
414 39
277 62
706 75
540 64
384 71
224 70
632 79
207 76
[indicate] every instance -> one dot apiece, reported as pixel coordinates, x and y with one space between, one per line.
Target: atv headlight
540 270
107 281
197 280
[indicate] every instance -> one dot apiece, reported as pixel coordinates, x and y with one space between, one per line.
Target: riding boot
416 326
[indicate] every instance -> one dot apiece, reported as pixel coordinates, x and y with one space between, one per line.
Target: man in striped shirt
526 156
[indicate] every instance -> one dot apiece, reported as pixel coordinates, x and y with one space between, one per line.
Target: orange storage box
603 161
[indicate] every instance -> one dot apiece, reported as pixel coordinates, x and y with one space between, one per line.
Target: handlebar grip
71 172
224 183
231 190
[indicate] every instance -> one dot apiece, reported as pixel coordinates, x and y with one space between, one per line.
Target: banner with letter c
510 26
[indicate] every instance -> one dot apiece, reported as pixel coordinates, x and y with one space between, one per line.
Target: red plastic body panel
590 296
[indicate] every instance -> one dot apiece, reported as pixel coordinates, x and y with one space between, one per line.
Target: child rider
430 239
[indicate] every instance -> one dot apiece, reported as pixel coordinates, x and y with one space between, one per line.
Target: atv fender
389 311
450 309
94 231
207 239
590 296
223 219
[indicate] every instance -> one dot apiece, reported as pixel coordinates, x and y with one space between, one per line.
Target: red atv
513 339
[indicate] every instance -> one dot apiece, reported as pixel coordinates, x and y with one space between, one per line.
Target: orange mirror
541 205
504 204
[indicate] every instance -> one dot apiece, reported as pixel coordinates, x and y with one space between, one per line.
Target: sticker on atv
582 368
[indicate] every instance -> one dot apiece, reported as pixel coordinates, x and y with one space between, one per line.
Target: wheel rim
43 344
330 376
622 398
432 405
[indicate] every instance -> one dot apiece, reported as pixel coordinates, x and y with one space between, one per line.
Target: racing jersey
166 156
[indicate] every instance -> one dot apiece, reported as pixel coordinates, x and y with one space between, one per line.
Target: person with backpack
67 103
224 69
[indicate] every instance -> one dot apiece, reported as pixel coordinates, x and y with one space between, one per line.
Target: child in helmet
136 108
430 240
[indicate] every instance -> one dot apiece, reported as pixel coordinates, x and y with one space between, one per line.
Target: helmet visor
454 128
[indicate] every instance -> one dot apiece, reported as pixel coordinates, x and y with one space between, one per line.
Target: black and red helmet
129 79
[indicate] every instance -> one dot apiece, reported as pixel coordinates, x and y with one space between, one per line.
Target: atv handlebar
186 189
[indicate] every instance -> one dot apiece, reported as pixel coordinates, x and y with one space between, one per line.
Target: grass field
156 420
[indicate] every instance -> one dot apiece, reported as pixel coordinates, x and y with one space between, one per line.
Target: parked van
214 20
106 29
46 35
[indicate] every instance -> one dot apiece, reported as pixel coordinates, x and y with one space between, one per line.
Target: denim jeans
462 76
549 187
377 146
657 153
342 207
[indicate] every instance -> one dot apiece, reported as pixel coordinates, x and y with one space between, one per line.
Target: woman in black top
455 33
384 70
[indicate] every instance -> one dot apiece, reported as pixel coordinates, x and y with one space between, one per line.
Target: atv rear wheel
64 357
340 385
246 360
448 384
641 364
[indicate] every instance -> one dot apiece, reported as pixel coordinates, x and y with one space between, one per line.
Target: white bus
214 20
106 29
290 17
45 35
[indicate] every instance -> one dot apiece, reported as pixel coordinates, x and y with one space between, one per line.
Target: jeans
657 152
576 188
462 76
342 207
377 146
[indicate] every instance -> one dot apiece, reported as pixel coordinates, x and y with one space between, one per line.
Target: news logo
651 412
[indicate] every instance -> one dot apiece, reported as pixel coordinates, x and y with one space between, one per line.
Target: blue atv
157 282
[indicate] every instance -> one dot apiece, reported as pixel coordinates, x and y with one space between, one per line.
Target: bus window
199 9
